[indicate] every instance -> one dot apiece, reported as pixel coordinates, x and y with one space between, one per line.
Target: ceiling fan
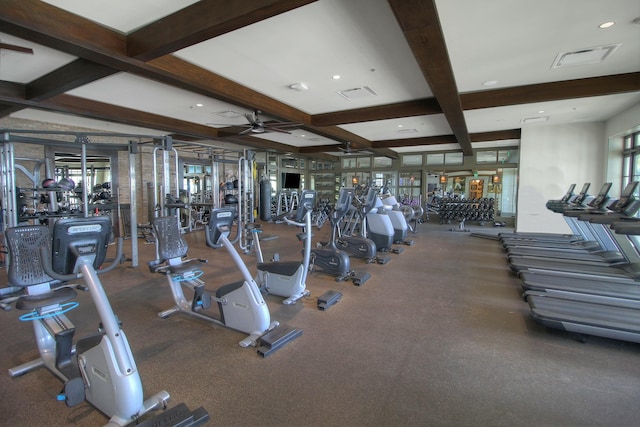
256 125
16 48
348 150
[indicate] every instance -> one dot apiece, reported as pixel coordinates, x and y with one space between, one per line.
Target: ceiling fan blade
16 48
273 129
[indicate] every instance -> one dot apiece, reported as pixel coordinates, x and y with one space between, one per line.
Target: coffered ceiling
414 75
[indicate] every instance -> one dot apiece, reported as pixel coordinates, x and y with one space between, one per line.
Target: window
412 160
435 159
348 162
381 162
453 159
363 162
486 157
631 158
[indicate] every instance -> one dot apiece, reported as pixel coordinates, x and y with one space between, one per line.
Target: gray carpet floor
437 337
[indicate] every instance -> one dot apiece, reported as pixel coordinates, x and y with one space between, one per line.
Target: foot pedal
276 339
409 242
397 250
73 392
177 416
359 277
328 299
383 260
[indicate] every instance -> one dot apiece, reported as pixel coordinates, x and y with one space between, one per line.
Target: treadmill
623 262
604 247
622 213
610 317
535 239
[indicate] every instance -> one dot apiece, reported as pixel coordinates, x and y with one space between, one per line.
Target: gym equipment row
99 368
584 283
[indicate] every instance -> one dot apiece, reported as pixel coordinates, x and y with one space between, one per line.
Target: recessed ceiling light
400 126
606 24
540 111
490 83
199 105
336 77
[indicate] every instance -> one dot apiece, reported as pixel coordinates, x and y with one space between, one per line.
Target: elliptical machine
287 278
328 258
398 220
378 227
359 246
100 368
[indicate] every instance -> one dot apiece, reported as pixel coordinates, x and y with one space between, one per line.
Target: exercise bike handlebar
292 222
210 242
46 263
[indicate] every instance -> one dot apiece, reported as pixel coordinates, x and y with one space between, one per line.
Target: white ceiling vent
591 55
357 93
405 131
534 119
228 114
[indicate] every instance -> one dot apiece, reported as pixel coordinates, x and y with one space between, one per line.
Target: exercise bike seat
56 296
24 242
286 268
171 248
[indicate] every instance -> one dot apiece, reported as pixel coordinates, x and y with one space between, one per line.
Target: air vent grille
357 93
534 119
591 55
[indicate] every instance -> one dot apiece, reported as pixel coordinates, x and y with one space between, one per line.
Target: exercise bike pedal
73 392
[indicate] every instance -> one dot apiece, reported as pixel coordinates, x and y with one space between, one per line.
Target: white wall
551 159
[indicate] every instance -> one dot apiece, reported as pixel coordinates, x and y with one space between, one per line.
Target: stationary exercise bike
287 278
99 368
240 304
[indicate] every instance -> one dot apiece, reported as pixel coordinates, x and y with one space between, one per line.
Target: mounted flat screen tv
290 180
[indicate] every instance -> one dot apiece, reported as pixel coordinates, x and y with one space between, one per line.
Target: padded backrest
169 239
24 243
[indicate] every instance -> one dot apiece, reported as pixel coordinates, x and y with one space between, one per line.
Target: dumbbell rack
462 210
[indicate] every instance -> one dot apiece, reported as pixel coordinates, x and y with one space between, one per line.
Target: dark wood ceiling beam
421 107
113 113
357 142
259 143
66 78
500 135
58 29
101 111
568 89
414 142
517 95
201 21
6 109
11 90
448 139
177 72
420 24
